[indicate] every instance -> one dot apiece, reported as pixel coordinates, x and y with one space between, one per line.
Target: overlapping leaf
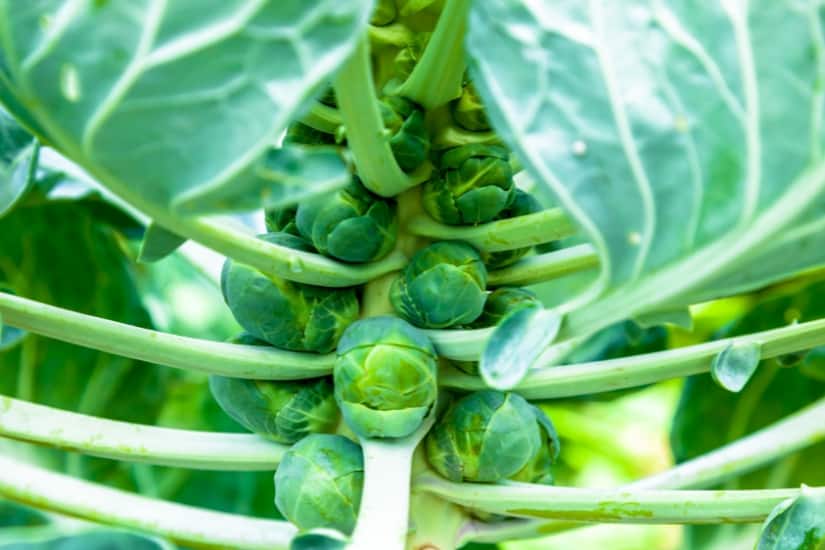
171 100
686 142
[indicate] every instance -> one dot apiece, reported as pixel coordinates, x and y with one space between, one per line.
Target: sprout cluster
385 367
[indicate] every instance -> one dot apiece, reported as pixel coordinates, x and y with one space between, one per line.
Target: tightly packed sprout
384 384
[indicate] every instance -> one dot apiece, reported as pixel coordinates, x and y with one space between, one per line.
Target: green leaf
190 96
798 524
9 336
17 515
515 344
319 539
18 162
686 143
679 317
97 539
734 365
282 177
158 243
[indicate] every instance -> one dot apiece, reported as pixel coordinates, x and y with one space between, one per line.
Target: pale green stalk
789 435
157 347
116 440
323 118
47 490
366 135
523 231
624 505
545 267
437 77
550 382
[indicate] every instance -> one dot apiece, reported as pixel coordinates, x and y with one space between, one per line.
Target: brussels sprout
523 204
409 139
537 470
319 482
307 135
384 13
504 301
284 411
444 285
352 224
468 367
468 111
484 436
283 313
282 220
328 97
385 377
474 185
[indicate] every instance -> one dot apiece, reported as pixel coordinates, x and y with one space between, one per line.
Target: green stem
610 506
532 229
789 435
460 345
323 118
450 136
545 267
550 382
43 489
157 347
383 519
116 440
366 135
437 77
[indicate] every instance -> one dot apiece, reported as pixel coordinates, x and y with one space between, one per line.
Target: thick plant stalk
542 227
196 527
161 348
611 506
383 519
115 440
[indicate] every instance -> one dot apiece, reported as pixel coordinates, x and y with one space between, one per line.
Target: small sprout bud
468 111
485 436
282 220
284 411
301 134
409 141
443 286
385 377
384 13
318 483
286 314
503 302
474 185
351 224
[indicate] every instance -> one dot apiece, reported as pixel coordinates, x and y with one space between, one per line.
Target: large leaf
685 142
168 101
18 161
796 525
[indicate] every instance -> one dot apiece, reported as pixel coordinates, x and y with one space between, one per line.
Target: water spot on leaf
579 148
634 237
734 365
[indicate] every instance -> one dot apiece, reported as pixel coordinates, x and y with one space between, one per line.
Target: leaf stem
116 440
625 505
43 489
541 227
551 382
384 516
366 135
157 347
545 267
437 77
323 118
794 433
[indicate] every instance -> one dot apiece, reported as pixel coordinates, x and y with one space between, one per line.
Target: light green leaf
515 344
797 524
158 243
18 162
161 100
687 143
735 365
282 177
319 539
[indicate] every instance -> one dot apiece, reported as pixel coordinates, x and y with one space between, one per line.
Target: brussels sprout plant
502 271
